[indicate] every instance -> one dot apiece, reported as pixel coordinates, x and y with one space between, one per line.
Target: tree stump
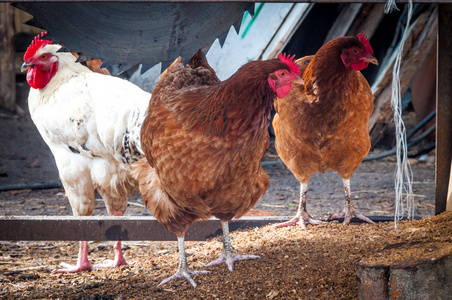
407 271
7 74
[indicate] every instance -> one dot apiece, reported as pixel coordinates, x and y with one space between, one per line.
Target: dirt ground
317 263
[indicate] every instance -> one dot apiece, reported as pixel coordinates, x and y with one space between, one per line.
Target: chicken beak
25 66
298 80
371 59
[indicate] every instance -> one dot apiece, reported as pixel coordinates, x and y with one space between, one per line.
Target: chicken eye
354 50
282 74
43 56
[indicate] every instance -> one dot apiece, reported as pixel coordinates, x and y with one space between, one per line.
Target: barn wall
7 75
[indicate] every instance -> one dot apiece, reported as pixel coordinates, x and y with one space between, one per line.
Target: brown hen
323 124
205 139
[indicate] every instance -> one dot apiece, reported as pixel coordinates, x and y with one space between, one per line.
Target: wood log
407 271
7 74
421 39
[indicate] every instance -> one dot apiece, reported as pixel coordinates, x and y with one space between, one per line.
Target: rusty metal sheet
131 33
122 228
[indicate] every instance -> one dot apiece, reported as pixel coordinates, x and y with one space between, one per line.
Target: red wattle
283 90
358 66
37 78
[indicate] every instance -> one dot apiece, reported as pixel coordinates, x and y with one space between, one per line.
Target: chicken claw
229 258
117 262
228 255
83 264
183 271
68 268
347 214
349 211
302 220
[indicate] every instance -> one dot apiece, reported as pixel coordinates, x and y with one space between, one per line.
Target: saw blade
128 34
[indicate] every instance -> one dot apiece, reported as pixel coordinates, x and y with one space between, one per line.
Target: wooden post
444 108
7 74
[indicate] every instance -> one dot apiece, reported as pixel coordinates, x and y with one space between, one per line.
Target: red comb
36 44
288 60
365 41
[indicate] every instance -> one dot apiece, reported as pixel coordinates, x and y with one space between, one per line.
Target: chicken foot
349 211
118 261
83 264
302 218
183 271
228 255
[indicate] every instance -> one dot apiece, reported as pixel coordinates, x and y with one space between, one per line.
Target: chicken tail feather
173 217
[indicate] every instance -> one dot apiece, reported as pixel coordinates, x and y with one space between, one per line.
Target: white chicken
91 123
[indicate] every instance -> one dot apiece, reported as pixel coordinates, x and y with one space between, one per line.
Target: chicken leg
228 255
349 211
119 259
183 271
302 218
83 263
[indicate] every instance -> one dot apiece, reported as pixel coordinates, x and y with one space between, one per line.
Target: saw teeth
35 23
222 39
251 10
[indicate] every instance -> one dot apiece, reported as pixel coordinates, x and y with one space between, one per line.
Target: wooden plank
7 74
444 108
112 228
344 21
270 1
286 30
368 19
122 228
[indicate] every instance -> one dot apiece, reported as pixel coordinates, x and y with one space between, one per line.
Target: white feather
83 117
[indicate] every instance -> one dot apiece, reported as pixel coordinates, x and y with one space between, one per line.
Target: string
403 175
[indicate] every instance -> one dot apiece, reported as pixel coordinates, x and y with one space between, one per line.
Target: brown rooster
323 124
205 140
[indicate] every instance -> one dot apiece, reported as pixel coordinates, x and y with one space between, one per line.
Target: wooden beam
270 1
113 228
444 107
122 228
